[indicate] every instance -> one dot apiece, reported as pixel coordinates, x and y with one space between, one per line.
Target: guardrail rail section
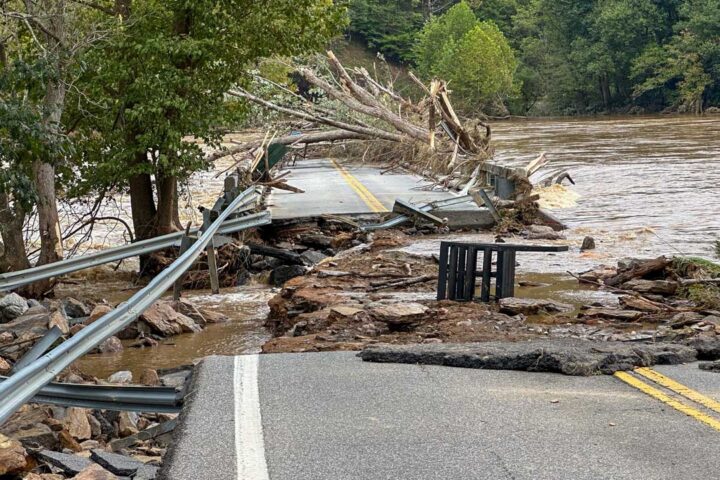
30 380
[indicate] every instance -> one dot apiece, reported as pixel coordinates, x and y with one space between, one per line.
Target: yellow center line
367 197
667 400
679 388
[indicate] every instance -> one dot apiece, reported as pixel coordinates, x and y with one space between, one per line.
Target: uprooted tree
371 120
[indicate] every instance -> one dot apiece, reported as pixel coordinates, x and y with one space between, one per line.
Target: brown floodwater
246 308
645 186
653 181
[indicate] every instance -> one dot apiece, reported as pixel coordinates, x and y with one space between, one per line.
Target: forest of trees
569 56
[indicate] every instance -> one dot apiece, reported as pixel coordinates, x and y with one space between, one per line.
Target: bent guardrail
111 397
12 280
26 383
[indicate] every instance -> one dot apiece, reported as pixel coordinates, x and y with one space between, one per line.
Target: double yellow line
367 197
678 388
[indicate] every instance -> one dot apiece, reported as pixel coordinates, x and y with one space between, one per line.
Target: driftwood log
639 270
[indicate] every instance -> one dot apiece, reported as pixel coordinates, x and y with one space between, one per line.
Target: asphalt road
334 188
331 416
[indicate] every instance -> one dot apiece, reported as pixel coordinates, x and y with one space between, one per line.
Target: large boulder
164 320
12 306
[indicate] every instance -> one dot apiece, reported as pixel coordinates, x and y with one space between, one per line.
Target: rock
77 424
598 274
68 442
684 319
27 325
13 457
111 345
12 306
638 303
98 312
88 445
532 306
567 356
127 423
175 379
150 377
399 313
6 337
283 273
707 347
313 257
117 464
5 366
660 287
94 472
344 311
316 240
147 472
200 316
121 377
59 320
144 342
542 232
587 244
164 320
38 435
710 366
75 308
611 314
69 464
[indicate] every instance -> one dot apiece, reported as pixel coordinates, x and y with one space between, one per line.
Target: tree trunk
167 203
142 205
605 91
13 256
51 249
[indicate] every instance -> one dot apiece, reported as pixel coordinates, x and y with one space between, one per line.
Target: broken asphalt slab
566 356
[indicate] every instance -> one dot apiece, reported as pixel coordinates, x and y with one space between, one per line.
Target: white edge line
249 441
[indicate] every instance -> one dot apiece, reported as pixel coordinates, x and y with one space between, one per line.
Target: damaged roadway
332 416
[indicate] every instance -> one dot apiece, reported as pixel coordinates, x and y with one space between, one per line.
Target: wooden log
639 270
284 255
400 283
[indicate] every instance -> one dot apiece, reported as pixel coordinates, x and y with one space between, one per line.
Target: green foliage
473 56
158 82
23 134
387 26
686 69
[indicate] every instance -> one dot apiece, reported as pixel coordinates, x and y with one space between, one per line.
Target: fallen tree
426 136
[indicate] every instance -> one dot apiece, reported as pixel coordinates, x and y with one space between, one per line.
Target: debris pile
681 296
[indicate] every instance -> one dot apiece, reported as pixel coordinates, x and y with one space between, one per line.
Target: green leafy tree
387 26
473 56
158 84
686 70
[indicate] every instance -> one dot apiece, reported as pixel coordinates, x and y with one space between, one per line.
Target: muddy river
644 186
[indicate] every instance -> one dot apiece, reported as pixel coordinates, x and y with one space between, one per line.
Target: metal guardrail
111 397
28 382
400 219
12 280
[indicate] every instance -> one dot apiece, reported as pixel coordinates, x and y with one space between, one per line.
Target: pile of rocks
54 443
